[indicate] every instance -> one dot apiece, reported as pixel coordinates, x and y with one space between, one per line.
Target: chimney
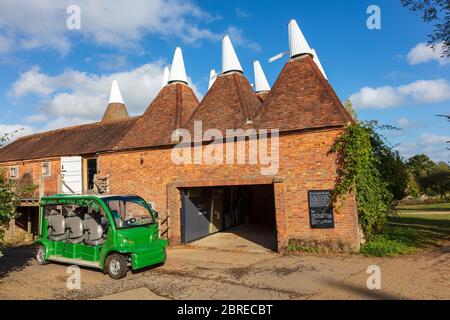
230 61
212 78
297 43
177 70
116 109
166 76
319 64
261 83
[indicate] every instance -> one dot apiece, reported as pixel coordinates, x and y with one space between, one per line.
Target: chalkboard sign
321 209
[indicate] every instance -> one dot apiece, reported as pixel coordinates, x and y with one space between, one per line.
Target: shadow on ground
15 259
363 292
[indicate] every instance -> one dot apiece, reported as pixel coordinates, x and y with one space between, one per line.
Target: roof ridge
328 87
90 124
178 105
242 102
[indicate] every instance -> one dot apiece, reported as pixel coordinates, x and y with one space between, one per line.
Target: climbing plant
358 173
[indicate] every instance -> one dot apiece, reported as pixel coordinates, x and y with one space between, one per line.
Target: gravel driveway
201 273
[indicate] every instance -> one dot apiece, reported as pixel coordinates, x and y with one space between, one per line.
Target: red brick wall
34 167
304 165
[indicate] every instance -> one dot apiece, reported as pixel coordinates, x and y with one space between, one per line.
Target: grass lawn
408 233
425 207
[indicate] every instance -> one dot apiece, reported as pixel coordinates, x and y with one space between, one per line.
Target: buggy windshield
129 211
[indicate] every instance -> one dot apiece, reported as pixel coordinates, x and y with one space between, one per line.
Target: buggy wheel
40 255
116 266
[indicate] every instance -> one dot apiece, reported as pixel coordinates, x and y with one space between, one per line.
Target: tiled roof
262 95
72 141
229 104
169 111
301 98
115 112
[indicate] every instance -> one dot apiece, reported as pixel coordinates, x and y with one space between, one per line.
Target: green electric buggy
110 233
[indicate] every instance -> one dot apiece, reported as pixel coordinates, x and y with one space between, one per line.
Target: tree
437 11
348 105
413 188
420 166
8 196
438 180
8 201
389 163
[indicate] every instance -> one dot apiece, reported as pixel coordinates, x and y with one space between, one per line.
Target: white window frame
17 172
49 169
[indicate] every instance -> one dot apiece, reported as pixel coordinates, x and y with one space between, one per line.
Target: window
46 169
129 212
14 172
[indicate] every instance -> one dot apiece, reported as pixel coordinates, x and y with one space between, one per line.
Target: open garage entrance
242 215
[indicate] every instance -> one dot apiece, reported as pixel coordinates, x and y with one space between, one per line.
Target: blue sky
53 77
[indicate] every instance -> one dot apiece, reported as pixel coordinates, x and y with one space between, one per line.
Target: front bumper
156 254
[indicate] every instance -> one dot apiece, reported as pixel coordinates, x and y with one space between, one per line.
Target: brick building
197 198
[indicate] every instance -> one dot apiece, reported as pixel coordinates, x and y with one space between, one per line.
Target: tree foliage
437 182
359 172
390 164
8 201
437 11
8 196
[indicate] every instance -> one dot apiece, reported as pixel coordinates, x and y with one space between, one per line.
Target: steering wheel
130 221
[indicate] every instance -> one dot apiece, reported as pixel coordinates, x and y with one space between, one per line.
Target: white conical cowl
230 61
297 42
261 83
166 76
319 64
115 96
177 70
212 78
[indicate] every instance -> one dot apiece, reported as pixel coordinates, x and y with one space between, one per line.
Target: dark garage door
195 223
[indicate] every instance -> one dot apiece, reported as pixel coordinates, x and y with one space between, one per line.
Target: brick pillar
281 215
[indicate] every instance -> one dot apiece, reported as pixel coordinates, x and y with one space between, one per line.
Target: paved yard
205 273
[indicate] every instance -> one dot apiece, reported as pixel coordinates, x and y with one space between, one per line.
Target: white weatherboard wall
72 175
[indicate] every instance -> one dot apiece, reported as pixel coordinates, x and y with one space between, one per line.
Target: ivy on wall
357 168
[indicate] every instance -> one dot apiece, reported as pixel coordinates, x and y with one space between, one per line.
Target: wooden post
41 187
12 225
29 230
59 184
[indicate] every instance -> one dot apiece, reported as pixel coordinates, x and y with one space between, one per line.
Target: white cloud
424 53
36 118
39 24
428 143
424 91
112 62
17 130
383 97
32 81
429 138
5 44
420 91
75 97
242 14
238 38
405 123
